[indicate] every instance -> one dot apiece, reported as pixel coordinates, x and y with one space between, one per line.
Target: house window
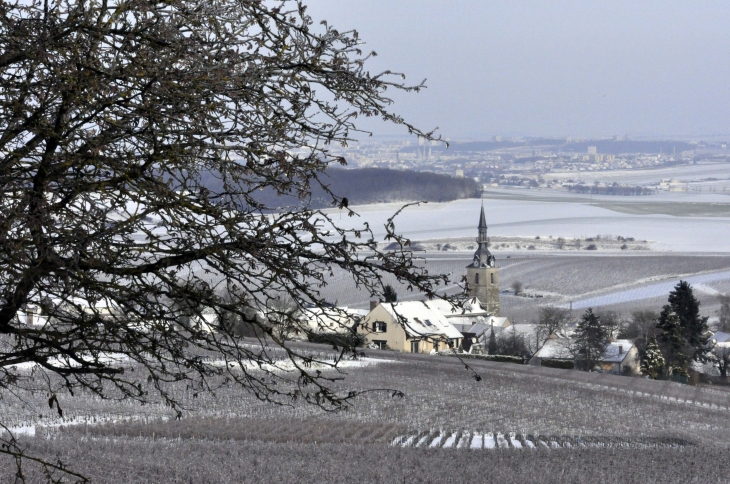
379 327
380 343
491 277
476 278
414 346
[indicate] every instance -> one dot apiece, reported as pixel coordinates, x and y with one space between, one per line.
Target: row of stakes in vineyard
513 440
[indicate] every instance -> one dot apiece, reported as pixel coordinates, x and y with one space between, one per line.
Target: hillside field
448 427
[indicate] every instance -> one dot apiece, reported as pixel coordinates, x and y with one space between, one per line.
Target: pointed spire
482 219
482 257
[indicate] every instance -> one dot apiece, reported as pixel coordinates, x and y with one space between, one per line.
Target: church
430 326
482 278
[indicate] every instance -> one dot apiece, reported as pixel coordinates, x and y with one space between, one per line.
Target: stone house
410 326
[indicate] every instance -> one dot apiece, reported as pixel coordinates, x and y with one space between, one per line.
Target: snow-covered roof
721 337
339 319
472 320
612 355
471 306
559 348
421 319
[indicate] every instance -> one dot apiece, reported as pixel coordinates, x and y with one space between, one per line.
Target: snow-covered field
649 291
566 216
684 173
617 281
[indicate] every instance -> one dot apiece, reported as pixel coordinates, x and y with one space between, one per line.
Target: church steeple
482 274
482 257
482 227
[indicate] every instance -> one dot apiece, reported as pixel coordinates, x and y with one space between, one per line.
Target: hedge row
500 358
551 363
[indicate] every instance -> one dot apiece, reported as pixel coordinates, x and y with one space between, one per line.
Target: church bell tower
481 275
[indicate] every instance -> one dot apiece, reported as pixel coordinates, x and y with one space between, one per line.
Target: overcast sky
551 68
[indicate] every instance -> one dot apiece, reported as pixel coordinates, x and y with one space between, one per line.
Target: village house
411 327
334 320
621 356
720 340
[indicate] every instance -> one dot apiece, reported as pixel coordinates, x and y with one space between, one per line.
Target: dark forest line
370 185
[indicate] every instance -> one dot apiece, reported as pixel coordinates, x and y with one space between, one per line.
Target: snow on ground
649 291
108 358
562 218
286 365
646 176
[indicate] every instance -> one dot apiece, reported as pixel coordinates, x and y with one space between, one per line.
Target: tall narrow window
492 277
476 278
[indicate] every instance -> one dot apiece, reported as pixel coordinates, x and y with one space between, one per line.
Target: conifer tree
653 362
590 340
675 346
389 294
492 348
692 327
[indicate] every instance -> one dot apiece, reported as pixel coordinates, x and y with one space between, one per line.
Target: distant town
543 162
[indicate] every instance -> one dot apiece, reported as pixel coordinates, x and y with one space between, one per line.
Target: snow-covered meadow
563 216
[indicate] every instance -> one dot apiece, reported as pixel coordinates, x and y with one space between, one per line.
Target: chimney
620 349
374 304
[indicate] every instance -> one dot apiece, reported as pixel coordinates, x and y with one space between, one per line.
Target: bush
337 339
552 363
530 247
592 247
624 247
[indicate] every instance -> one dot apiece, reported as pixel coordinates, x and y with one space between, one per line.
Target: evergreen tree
389 294
675 346
653 362
492 348
589 341
692 328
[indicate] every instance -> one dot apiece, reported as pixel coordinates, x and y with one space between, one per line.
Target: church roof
482 256
482 219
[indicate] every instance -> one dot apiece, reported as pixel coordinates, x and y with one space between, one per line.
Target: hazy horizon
565 68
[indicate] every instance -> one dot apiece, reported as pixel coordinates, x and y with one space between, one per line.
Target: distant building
592 150
621 356
459 173
481 275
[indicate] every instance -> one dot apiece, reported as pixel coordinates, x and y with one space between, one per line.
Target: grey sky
543 68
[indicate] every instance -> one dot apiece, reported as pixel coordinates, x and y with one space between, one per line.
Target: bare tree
136 137
721 359
517 287
612 321
724 322
552 320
